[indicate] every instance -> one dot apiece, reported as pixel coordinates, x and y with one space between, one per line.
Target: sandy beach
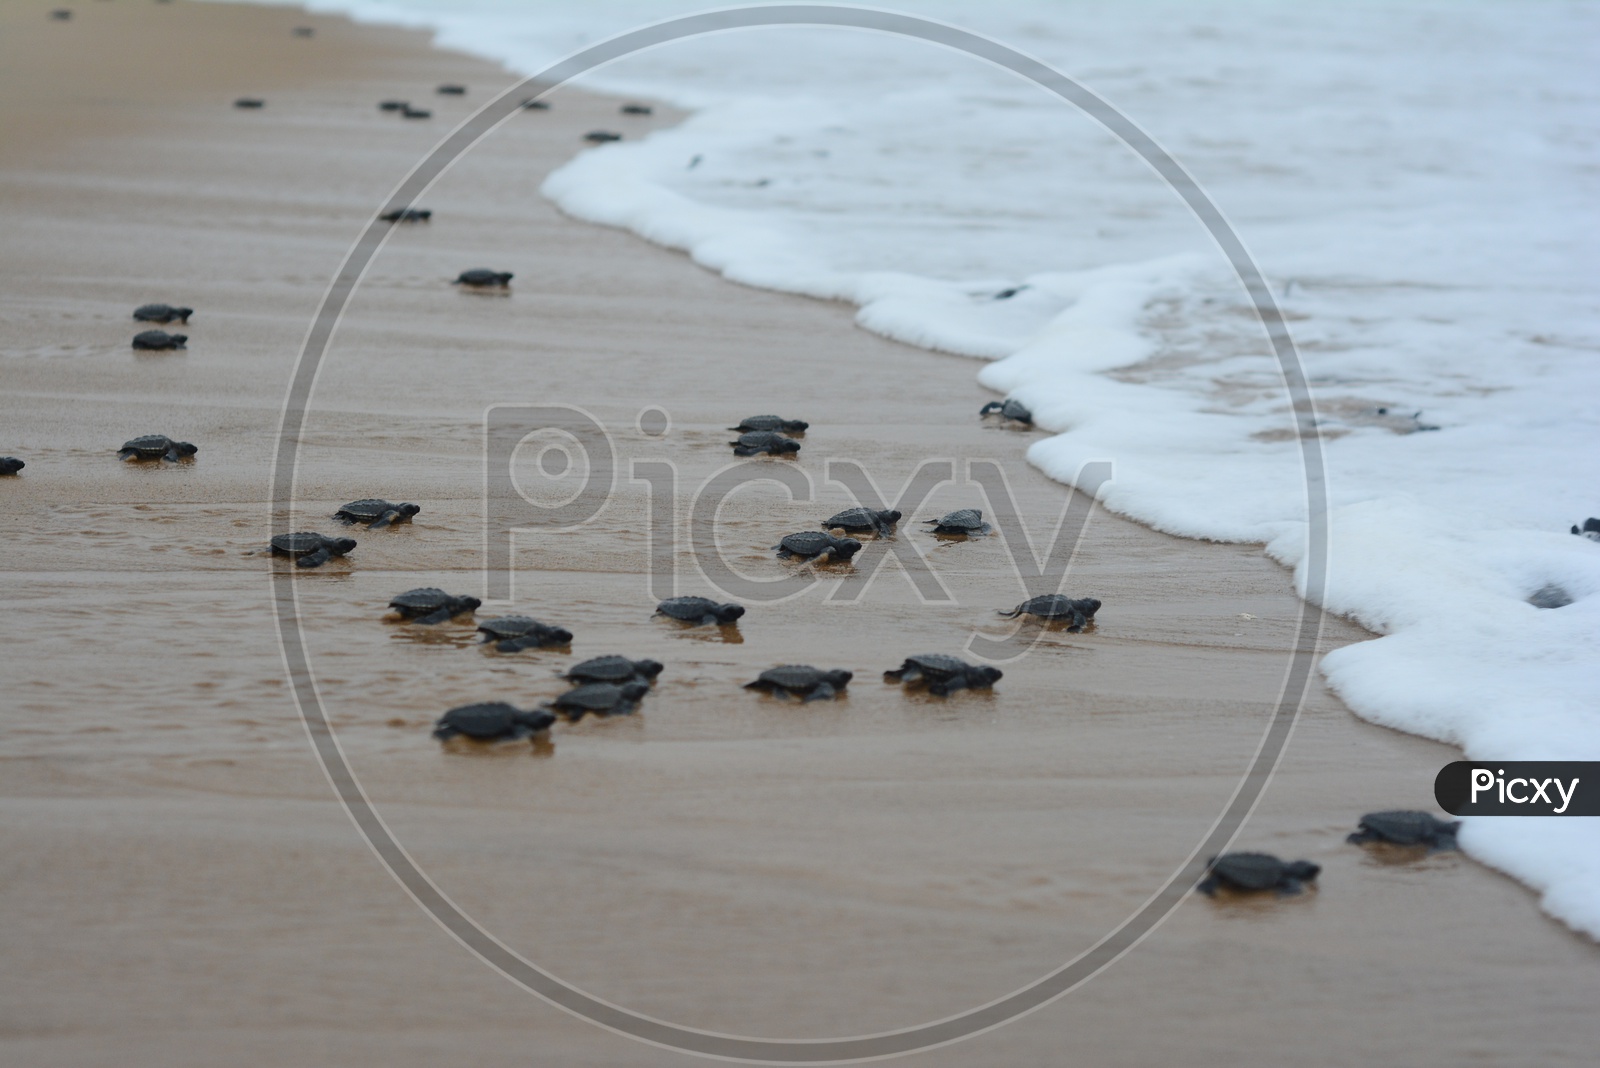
183 888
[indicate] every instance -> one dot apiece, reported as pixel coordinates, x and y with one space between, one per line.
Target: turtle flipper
1013 614
822 692
740 450
439 616
1208 886
128 454
757 685
385 519
315 558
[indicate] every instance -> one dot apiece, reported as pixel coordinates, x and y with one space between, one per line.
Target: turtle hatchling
1254 872
817 545
491 721
613 669
700 610
409 112
407 215
1008 409
802 681
635 109
249 103
451 90
1407 828
1058 606
393 105
430 605
1590 529
944 674
156 447
158 340
862 520
600 137
766 441
309 548
375 513
10 465
966 521
599 698
161 313
772 423
512 634
480 278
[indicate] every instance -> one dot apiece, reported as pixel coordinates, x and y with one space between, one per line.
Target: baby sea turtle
159 339
491 721
303 31
10 465
481 278
250 102
531 104
375 513
1402 827
967 521
613 669
771 423
700 610
817 545
409 112
802 681
430 605
599 698
161 313
1008 409
512 634
1058 606
61 14
156 447
944 674
393 105
635 109
1590 529
765 441
407 215
451 90
1252 872
309 548
600 137
860 520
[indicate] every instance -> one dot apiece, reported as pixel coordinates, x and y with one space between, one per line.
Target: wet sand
181 886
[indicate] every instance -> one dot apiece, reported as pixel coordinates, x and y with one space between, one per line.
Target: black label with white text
1519 788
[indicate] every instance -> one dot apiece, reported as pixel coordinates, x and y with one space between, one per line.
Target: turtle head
632 691
534 720
788 446
179 340
890 515
408 510
183 313
1090 605
1302 870
845 548
505 276
838 679
184 448
648 668
560 636
469 604
984 675
337 546
727 613
796 426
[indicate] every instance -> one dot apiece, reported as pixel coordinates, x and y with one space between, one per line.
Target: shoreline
692 841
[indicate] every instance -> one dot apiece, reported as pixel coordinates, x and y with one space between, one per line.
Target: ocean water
1417 181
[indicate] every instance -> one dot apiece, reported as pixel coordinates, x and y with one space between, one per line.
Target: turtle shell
298 543
798 677
491 720
1249 871
613 669
962 519
366 508
149 444
854 519
689 609
767 440
1407 828
601 698
937 665
422 599
158 339
1058 606
807 543
503 627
